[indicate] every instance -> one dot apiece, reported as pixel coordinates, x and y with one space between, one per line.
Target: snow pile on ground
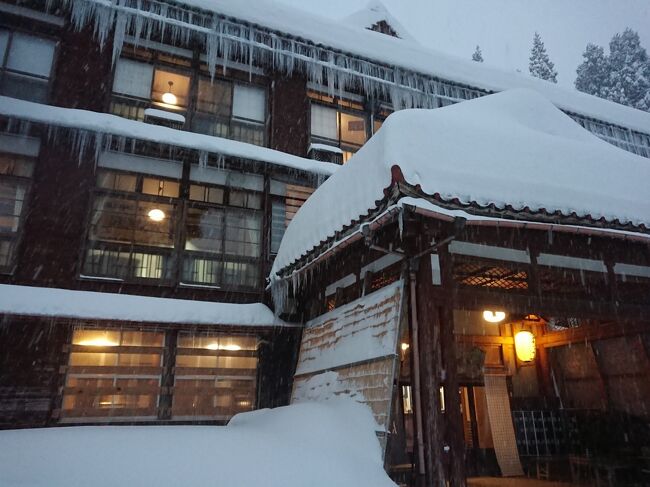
512 148
303 445
42 301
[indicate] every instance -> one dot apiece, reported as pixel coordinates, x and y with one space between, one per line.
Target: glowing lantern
494 316
169 97
525 346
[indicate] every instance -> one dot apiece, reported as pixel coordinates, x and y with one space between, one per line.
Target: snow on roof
403 53
104 123
308 444
374 12
513 148
40 301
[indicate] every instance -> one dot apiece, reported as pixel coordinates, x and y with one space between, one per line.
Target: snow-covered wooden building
493 319
152 154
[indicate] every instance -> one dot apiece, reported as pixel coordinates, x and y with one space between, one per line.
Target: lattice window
488 273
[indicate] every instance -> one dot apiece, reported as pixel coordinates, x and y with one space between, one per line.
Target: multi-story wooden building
152 153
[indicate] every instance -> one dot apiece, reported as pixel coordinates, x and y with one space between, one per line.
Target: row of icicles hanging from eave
225 40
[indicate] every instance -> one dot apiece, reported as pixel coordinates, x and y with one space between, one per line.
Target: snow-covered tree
540 65
478 55
593 72
628 80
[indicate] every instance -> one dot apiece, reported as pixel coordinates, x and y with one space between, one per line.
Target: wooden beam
591 333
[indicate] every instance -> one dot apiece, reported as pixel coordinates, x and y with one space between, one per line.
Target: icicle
120 33
203 159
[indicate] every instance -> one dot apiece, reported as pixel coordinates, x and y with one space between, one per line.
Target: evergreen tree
628 80
478 55
540 65
593 72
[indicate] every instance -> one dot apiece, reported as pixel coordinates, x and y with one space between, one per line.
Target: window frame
16 237
349 107
168 253
4 57
133 107
222 257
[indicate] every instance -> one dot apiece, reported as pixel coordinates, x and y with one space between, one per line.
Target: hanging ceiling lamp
169 97
494 316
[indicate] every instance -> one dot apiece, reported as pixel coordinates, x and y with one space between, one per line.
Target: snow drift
305 445
513 148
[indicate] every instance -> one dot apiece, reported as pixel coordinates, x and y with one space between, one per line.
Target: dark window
15 180
223 237
25 65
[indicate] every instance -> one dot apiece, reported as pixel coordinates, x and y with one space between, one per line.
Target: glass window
15 180
353 129
4 42
31 55
243 233
160 187
204 230
109 377
287 200
25 65
117 181
324 122
249 103
215 97
223 231
166 83
133 78
130 235
215 375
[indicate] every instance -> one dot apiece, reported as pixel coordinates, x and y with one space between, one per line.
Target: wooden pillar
443 433
455 432
544 373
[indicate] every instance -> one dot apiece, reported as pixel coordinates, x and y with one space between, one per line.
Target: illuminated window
15 180
25 65
113 374
138 85
336 127
215 376
132 227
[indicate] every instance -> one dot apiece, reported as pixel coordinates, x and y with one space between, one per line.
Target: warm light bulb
525 346
494 316
405 347
156 215
230 348
169 98
98 342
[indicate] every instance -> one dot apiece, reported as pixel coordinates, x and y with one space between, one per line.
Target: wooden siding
352 351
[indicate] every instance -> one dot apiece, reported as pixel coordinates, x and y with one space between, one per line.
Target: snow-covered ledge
88 127
65 303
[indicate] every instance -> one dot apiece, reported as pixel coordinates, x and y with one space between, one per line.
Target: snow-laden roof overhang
65 303
511 151
103 124
327 49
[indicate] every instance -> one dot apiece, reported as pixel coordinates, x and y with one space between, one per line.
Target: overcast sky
504 28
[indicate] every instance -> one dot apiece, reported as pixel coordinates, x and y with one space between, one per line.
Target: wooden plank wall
352 351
